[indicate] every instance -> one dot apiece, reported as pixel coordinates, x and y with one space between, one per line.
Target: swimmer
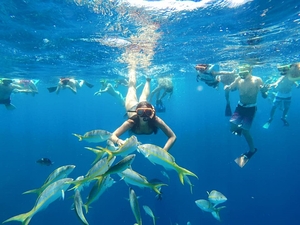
107 87
69 83
248 86
165 85
6 89
292 71
142 118
283 97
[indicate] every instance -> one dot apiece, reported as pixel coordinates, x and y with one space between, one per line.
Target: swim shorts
279 101
243 116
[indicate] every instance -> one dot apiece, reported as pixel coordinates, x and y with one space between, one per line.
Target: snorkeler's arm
127 125
168 132
224 72
275 84
233 85
263 87
104 90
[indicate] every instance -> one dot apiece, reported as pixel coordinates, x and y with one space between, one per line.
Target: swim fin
10 106
52 89
244 158
88 84
228 111
267 124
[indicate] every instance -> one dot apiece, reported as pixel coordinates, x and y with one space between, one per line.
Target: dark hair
151 121
145 104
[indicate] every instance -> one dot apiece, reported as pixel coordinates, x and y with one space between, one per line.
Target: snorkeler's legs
80 83
146 91
227 96
273 111
131 98
249 140
286 108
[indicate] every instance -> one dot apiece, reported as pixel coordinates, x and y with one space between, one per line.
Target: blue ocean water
89 40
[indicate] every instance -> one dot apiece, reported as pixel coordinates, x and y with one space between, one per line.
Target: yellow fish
207 206
78 207
216 197
129 146
157 155
49 195
134 204
134 178
57 174
94 136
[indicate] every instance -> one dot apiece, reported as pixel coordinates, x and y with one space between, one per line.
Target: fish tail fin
86 208
99 153
105 150
110 154
36 191
52 89
78 184
184 172
79 136
23 218
156 187
216 213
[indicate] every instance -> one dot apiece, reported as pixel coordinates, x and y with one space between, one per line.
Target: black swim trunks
243 116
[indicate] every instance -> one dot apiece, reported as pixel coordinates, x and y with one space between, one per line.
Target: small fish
134 178
49 195
45 162
98 189
94 136
120 166
78 207
134 204
157 155
150 213
216 197
97 170
129 146
207 206
57 174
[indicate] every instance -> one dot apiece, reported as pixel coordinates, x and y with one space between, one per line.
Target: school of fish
101 173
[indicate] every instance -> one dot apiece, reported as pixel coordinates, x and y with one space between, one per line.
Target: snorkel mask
283 69
145 110
244 71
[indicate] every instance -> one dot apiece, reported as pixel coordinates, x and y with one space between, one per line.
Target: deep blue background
265 191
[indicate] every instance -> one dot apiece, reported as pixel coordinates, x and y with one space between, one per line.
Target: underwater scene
149 112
